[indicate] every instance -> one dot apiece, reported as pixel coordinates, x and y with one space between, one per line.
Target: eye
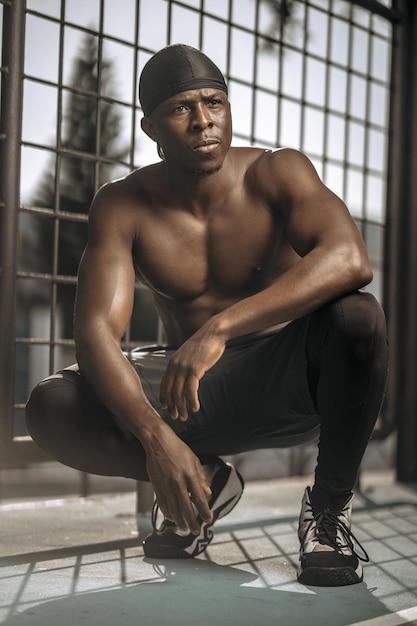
180 108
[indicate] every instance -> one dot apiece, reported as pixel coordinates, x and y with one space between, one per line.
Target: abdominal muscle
182 319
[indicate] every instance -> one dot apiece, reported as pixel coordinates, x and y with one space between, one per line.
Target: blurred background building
334 78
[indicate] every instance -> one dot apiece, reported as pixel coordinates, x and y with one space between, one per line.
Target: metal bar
48 277
98 97
329 33
347 130
11 123
169 22
63 215
280 83
81 91
366 129
43 342
304 106
52 326
254 81
87 156
135 85
392 15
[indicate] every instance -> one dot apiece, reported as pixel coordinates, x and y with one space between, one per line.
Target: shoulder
283 166
122 200
283 173
123 192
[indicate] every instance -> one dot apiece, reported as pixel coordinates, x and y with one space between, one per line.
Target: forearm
173 469
115 382
313 281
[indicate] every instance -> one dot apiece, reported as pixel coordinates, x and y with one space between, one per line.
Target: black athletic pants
323 376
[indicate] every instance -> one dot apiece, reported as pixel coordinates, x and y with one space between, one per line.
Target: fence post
10 134
401 244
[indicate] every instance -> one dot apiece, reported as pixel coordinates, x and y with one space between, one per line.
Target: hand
186 368
178 481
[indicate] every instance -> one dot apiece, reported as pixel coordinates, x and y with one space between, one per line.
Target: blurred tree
281 9
281 17
284 18
72 179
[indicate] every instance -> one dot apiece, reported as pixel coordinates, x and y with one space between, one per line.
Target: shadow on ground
202 592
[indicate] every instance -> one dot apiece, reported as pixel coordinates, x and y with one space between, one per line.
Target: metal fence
309 74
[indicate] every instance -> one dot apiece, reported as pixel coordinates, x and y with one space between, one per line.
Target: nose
201 118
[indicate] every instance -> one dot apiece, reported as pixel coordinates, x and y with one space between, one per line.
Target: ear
148 128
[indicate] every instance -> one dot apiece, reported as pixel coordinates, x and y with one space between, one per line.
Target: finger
202 507
189 513
182 512
192 393
200 493
171 507
180 515
173 390
163 506
178 397
173 393
165 393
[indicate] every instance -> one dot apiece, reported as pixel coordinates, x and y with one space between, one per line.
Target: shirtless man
255 267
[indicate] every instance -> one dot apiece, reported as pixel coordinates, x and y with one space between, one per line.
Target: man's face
193 129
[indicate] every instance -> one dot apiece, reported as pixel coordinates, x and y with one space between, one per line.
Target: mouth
205 145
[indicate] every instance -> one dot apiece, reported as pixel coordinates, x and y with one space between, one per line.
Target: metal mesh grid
314 76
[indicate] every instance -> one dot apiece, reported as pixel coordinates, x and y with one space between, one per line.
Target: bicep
105 290
106 281
320 218
313 214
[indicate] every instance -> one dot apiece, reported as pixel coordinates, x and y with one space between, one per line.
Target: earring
160 151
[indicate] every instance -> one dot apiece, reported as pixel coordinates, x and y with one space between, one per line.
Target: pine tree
78 176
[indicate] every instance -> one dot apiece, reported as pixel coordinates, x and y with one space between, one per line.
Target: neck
200 190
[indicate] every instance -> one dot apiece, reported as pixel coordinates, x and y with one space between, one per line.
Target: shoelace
154 519
328 524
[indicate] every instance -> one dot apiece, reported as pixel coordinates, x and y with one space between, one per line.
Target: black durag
174 69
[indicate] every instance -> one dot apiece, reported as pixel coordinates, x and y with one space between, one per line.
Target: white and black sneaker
168 542
327 553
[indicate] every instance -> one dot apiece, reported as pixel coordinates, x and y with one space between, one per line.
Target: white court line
405 616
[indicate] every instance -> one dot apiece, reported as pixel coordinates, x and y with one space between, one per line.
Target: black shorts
256 396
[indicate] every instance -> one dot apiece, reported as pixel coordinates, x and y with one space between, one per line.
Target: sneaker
327 554
169 542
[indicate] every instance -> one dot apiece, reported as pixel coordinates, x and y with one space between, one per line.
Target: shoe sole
220 507
329 577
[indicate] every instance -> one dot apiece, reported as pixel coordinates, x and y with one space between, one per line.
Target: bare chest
234 252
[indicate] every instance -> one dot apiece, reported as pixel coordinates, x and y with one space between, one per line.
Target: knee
45 409
358 318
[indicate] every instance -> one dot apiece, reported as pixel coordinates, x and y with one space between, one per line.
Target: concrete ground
71 560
